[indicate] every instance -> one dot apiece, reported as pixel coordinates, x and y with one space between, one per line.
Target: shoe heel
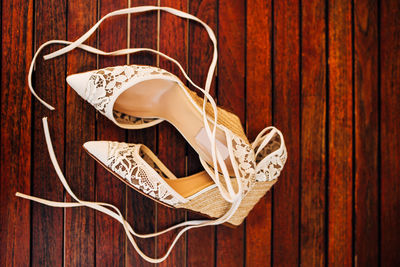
211 203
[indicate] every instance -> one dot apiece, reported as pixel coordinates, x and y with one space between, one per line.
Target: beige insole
165 99
190 185
186 186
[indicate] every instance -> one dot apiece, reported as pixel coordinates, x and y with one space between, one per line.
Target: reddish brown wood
366 103
15 141
303 86
259 115
231 95
340 134
47 222
110 236
313 134
140 209
171 149
201 241
200 51
80 127
285 243
390 132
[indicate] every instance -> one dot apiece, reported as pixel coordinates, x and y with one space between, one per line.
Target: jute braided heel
211 203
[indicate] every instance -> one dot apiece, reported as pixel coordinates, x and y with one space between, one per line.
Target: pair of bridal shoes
236 173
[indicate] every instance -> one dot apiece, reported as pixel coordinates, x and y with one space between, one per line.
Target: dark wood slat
80 127
390 132
15 155
201 241
287 119
231 95
48 222
200 45
313 134
171 149
366 101
340 134
140 209
259 115
110 236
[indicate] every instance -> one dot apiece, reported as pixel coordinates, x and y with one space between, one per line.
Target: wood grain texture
390 131
366 104
140 209
313 134
231 95
285 246
258 116
340 134
110 235
47 222
171 146
201 241
326 73
80 127
15 141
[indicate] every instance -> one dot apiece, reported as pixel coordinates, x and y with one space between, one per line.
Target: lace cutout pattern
152 164
122 160
244 156
104 83
271 160
266 166
123 118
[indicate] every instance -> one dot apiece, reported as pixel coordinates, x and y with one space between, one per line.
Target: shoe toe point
79 82
98 149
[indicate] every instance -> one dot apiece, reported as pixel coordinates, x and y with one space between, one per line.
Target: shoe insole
165 99
190 185
186 186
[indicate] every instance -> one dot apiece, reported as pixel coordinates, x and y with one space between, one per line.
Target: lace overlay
272 169
122 159
123 118
244 157
270 160
265 166
105 83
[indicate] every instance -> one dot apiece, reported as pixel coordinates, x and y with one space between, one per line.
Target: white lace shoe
138 167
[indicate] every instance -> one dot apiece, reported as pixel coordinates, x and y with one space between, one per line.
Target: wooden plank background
327 73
